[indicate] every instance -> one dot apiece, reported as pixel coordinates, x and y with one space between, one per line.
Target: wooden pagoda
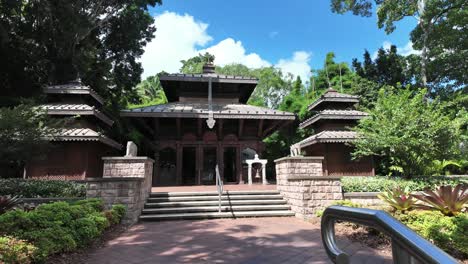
334 115
186 148
78 147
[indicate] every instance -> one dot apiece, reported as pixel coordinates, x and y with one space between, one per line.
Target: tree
408 131
23 133
149 92
272 84
56 41
195 64
440 34
335 75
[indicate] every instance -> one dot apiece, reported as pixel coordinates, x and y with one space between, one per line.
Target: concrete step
215 202
215 198
214 208
211 193
161 217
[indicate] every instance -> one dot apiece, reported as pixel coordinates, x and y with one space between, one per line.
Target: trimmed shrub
381 183
41 188
61 226
448 233
16 251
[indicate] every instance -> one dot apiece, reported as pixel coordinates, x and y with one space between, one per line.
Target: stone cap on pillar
299 158
136 159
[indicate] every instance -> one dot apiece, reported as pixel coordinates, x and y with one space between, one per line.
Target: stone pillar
264 179
249 173
127 181
301 182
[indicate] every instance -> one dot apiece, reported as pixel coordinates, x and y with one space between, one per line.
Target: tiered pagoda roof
334 115
336 107
74 87
333 97
328 137
200 110
69 106
177 86
76 109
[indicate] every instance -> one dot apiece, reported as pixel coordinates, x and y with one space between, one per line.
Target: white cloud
180 37
177 38
230 51
273 34
297 65
408 49
405 50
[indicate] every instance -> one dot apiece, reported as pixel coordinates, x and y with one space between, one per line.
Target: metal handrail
407 246
219 187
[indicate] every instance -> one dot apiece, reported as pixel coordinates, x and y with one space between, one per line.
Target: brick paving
245 240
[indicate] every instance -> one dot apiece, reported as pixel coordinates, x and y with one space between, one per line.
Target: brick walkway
246 240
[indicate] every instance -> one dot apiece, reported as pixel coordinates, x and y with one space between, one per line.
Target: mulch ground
80 255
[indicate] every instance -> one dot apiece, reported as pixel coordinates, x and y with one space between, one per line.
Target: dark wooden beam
156 128
241 127
199 127
260 127
220 129
270 128
142 124
179 128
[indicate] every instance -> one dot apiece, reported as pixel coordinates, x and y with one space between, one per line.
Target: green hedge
380 183
448 233
41 188
61 226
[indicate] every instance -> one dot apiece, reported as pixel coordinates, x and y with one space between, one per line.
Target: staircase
205 205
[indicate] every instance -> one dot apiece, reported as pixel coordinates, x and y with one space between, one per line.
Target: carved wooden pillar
239 165
179 164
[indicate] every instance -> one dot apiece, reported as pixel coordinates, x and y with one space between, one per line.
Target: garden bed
80 256
33 236
381 183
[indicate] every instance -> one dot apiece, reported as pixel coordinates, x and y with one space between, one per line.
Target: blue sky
294 36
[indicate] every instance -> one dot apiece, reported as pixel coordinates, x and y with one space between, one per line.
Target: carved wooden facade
186 149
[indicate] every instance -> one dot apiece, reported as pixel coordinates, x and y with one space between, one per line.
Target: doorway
167 168
209 165
189 168
230 164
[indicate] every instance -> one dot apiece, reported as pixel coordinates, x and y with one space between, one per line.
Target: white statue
132 149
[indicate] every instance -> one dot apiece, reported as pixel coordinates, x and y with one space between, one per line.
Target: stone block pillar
301 182
126 180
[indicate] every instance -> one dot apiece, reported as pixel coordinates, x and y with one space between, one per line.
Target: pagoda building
335 114
77 148
205 123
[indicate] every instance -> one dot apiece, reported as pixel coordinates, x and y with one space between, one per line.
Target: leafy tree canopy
441 33
51 42
409 131
23 130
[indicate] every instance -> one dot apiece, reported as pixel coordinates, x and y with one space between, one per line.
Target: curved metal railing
219 187
407 246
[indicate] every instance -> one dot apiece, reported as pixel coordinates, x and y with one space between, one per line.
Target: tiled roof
205 76
76 109
75 87
328 137
333 96
200 110
334 114
84 134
